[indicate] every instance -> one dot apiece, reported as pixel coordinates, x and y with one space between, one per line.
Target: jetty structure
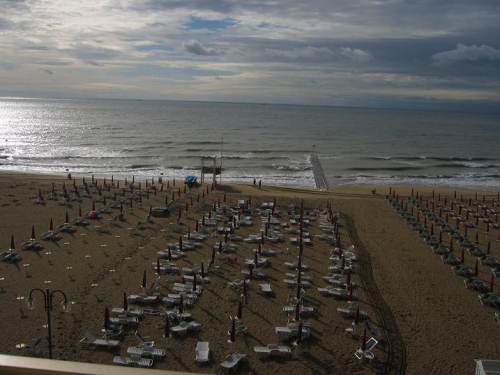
319 176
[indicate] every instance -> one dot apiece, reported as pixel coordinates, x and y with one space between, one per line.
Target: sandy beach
425 319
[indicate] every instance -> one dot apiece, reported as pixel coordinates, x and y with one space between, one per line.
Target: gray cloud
431 49
467 54
196 48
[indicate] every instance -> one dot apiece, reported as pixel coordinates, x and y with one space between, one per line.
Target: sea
271 143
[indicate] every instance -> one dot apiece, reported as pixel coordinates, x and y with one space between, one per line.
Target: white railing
18 365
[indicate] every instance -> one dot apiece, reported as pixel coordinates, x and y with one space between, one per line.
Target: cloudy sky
440 54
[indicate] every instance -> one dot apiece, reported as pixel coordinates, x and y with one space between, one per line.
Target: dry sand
428 321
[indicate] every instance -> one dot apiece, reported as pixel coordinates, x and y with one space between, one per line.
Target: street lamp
48 297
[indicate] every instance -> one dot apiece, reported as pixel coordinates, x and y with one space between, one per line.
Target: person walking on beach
254 182
260 184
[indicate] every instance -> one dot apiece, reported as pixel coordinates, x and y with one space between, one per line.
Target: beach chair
202 352
136 359
371 329
367 353
123 361
33 349
231 362
143 342
90 339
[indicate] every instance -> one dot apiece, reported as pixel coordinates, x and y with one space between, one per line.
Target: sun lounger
202 352
146 351
142 298
184 327
124 320
90 339
371 329
350 312
232 361
129 312
133 360
266 289
272 350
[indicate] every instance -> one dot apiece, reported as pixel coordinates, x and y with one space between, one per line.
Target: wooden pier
319 176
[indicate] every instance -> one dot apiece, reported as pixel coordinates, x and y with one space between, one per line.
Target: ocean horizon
269 142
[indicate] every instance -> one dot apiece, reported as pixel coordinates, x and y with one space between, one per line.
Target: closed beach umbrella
33 237
256 259
363 343
167 328
189 234
196 226
240 310
462 258
195 282
299 277
488 248
169 254
80 211
232 337
451 244
356 317
12 244
213 255
157 265
476 268
125 302
220 246
299 264
181 305
93 205
144 279
51 225
262 238
350 292
245 289
260 249
180 243
250 269
106 318
297 311
299 335
348 277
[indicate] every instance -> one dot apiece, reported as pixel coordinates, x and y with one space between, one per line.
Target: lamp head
66 306
30 303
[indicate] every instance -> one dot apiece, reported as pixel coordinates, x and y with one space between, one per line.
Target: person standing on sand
254 182
260 184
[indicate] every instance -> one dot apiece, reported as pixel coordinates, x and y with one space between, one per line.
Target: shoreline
98 263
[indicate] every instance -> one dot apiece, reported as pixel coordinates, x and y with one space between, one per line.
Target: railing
18 365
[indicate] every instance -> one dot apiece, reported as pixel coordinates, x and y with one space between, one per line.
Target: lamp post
48 298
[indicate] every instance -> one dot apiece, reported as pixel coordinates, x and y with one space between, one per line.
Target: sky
421 54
